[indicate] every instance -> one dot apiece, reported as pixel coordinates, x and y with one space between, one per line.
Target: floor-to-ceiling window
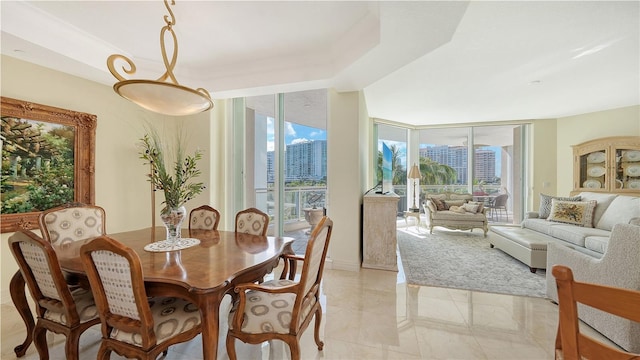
483 160
285 168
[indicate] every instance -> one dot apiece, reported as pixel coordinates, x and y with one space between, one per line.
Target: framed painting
47 160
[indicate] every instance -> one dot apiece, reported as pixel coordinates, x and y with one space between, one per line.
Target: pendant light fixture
164 95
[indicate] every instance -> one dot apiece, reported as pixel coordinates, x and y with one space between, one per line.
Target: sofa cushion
466 216
539 225
597 243
575 234
603 199
573 212
621 210
450 203
545 204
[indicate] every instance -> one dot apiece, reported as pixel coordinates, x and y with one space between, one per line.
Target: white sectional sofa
607 253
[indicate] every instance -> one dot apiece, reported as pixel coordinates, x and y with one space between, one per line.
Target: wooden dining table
203 273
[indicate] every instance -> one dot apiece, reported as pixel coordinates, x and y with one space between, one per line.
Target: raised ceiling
421 63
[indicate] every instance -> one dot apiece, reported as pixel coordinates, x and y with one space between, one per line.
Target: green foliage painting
37 165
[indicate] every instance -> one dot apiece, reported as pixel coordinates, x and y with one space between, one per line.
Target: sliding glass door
485 161
285 170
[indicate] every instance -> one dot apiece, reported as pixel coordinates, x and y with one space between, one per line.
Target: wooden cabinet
609 165
379 232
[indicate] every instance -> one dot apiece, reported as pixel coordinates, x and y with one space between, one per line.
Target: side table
408 214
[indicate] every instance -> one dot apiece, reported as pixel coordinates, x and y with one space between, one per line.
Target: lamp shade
414 173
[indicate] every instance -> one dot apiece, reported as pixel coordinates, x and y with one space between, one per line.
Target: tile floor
374 314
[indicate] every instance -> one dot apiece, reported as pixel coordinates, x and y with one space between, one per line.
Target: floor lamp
415 175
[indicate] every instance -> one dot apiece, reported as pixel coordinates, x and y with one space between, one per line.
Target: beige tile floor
374 314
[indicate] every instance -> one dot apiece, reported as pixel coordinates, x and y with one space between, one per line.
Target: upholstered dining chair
133 325
72 222
59 308
204 218
571 344
252 221
282 309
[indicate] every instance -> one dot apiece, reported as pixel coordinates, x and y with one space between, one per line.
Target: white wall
344 185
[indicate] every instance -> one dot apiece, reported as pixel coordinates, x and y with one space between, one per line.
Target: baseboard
342 265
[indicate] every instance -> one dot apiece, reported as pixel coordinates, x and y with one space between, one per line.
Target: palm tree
435 173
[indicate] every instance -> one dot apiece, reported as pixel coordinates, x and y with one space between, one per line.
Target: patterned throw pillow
572 212
545 203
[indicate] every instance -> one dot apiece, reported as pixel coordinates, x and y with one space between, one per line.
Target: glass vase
172 219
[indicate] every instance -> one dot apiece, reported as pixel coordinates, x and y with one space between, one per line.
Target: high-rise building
302 161
456 157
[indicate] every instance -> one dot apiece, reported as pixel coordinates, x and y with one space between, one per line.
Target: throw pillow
472 208
457 209
545 203
480 205
572 212
440 205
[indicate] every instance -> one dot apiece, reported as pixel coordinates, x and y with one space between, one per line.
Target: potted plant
172 176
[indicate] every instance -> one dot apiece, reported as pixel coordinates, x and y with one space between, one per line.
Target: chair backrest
313 267
39 265
501 200
116 279
617 301
204 218
252 221
72 222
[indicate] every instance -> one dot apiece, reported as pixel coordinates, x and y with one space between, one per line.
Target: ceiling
419 62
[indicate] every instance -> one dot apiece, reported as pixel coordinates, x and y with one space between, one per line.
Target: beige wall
120 183
574 130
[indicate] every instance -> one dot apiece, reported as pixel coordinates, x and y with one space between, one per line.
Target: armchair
282 309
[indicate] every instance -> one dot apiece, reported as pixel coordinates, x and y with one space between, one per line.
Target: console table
379 232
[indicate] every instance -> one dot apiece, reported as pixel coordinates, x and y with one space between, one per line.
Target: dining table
203 273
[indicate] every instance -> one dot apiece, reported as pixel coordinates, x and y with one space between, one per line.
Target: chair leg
231 348
72 345
104 353
294 347
40 341
316 329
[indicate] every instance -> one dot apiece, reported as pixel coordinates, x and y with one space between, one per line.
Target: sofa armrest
618 267
531 215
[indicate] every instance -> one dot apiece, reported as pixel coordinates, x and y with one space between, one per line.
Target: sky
294 134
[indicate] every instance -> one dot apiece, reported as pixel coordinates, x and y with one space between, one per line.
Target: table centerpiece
174 177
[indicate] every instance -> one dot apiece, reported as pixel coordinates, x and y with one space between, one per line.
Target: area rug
464 260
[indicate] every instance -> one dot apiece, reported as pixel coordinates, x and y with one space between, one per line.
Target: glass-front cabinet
609 164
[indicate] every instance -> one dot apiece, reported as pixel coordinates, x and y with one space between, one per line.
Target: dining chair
571 344
282 309
59 308
72 222
133 325
204 218
252 221
499 204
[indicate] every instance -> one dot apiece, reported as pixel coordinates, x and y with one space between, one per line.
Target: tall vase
172 219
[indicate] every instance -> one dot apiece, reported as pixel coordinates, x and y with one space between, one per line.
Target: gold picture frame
41 146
